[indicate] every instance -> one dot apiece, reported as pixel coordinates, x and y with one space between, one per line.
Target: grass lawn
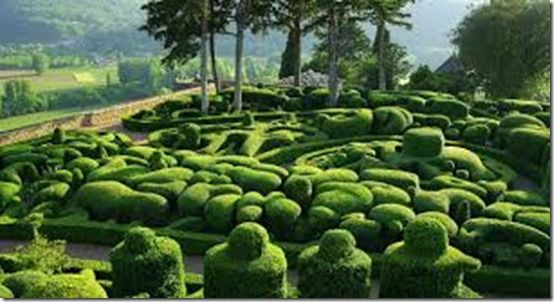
68 78
35 118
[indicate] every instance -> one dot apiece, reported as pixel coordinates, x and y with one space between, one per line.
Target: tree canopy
507 42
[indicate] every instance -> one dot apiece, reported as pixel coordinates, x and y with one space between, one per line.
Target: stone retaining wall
102 118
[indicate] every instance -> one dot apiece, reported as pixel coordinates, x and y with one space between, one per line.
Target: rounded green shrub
342 175
367 232
145 263
112 200
527 144
299 188
457 196
249 214
322 218
219 212
335 268
164 176
424 265
251 199
387 213
56 192
170 191
430 201
447 222
357 124
67 286
391 120
254 180
398 178
281 215
538 220
85 164
449 182
524 198
476 134
383 193
474 233
192 133
191 201
5 293
423 142
8 193
247 266
454 109
343 197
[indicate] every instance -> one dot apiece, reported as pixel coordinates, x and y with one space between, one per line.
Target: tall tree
507 42
183 27
248 14
293 16
331 14
204 57
385 12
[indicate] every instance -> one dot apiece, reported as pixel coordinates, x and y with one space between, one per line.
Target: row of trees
187 27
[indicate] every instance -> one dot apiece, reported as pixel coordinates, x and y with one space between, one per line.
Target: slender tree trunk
333 60
381 56
204 58
297 36
237 104
215 72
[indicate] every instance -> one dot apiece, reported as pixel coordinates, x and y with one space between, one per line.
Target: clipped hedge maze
398 175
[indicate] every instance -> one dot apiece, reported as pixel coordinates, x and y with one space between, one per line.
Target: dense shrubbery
298 175
424 265
247 266
334 269
144 263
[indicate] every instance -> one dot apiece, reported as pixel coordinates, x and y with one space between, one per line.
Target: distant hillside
110 26
32 21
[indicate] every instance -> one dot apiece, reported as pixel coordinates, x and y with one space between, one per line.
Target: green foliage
254 180
528 144
42 255
262 266
337 261
505 23
219 212
146 263
109 199
249 214
423 265
34 285
281 215
391 120
383 194
322 218
343 197
423 142
340 175
358 124
299 188
5 293
148 73
398 178
500 240
40 63
476 134
20 98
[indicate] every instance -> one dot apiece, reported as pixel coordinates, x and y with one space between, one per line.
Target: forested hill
110 26
51 21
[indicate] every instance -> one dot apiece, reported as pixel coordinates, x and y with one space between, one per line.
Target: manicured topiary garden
429 195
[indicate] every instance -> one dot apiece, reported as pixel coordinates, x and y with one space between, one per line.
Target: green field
21 121
68 78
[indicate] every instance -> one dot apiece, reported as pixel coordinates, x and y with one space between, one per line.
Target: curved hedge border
489 279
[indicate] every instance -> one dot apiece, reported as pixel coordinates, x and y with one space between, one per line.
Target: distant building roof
451 65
